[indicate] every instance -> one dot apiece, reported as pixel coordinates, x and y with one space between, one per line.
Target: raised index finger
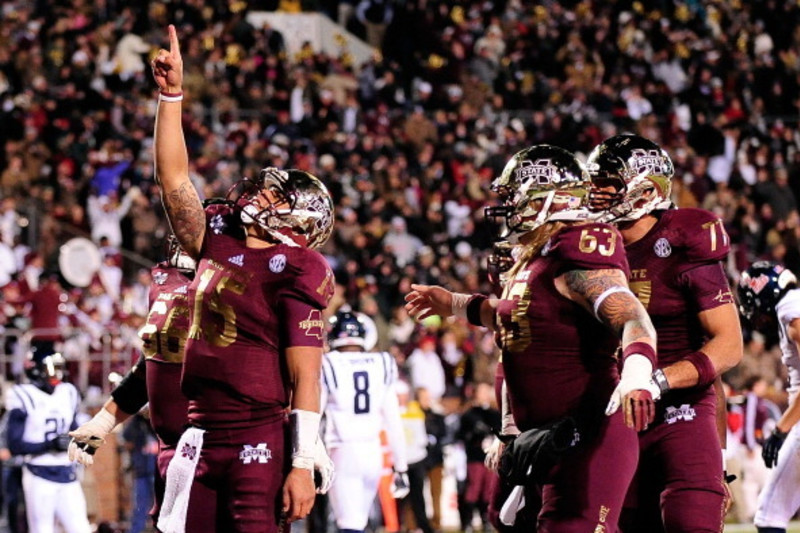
174 47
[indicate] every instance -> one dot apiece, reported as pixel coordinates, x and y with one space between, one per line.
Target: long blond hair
536 240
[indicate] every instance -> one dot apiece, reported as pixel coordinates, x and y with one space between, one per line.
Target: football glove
60 443
89 437
492 460
400 486
323 465
772 446
636 393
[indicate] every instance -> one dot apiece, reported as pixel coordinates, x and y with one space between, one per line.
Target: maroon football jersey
164 337
676 273
249 305
558 359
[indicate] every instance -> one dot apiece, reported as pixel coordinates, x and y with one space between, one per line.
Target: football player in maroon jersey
255 342
155 378
564 309
675 259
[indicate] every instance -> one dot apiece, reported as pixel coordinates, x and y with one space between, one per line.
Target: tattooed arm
619 308
605 293
181 201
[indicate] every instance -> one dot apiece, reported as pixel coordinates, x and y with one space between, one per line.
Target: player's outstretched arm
428 300
605 293
181 201
87 438
304 365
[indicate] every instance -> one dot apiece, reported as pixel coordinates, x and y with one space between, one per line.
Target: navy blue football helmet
761 287
346 329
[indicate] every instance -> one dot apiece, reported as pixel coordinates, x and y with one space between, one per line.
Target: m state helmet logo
541 170
649 162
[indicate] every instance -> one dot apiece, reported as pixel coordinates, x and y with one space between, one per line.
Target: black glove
771 448
400 486
60 443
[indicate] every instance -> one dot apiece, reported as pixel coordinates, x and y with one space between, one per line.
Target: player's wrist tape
661 380
458 304
305 432
104 420
474 309
705 368
639 348
637 369
164 96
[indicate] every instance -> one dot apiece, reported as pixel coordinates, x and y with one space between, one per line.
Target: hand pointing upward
168 65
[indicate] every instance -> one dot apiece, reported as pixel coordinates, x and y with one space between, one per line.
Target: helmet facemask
538 185
292 207
177 258
640 173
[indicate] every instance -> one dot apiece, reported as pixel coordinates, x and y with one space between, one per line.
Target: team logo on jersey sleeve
259 453
314 326
217 224
277 263
662 248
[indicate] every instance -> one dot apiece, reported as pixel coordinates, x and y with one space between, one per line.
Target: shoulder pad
589 246
700 233
788 307
313 278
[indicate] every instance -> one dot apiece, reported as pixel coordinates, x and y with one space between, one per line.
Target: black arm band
131 393
474 309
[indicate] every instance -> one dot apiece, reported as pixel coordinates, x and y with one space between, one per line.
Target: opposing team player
564 308
769 297
255 342
40 415
359 400
675 259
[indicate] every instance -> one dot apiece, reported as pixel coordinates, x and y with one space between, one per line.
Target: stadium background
407 134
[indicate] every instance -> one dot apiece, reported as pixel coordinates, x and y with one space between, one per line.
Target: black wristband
474 309
661 380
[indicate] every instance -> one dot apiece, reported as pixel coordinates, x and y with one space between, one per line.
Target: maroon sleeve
304 298
312 280
701 234
589 247
707 286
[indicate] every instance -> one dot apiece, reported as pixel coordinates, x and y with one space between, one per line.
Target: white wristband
637 369
164 98
105 420
305 432
459 304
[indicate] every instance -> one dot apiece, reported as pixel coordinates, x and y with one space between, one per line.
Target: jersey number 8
361 399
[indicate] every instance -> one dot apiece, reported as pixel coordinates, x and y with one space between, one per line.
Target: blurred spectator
426 370
437 433
142 445
476 431
417 453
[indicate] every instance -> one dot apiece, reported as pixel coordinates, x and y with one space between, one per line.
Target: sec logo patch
662 248
277 263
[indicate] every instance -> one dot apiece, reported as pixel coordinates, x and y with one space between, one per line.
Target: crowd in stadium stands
407 142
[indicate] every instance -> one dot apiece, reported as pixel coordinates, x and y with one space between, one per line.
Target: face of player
266 199
603 190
